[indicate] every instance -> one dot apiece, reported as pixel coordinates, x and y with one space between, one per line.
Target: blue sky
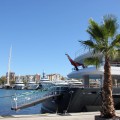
42 31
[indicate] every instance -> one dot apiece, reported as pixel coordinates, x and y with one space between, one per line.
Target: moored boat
45 82
88 97
32 85
19 84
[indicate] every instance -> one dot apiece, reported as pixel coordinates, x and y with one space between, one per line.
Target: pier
35 102
28 99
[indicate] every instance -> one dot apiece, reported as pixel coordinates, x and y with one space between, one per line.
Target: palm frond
95 47
110 24
88 43
115 55
95 30
116 41
92 61
112 53
117 46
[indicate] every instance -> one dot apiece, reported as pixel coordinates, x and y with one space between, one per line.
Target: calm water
5 104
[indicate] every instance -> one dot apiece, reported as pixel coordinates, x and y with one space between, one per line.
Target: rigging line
99 95
71 94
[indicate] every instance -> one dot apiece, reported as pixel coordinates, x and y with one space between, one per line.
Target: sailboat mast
8 77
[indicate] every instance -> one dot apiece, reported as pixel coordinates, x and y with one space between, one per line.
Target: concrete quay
69 116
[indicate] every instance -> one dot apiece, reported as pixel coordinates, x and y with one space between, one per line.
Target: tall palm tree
104 39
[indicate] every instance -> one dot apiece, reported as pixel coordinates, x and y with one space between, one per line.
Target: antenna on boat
43 74
8 76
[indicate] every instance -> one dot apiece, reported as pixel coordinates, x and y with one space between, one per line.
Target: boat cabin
92 76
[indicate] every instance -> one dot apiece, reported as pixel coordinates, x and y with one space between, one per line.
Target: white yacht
32 85
74 82
93 81
68 82
92 73
19 85
60 83
45 82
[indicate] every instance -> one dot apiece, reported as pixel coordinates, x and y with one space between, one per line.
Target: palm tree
104 39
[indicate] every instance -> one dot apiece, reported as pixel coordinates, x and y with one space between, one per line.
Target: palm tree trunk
108 110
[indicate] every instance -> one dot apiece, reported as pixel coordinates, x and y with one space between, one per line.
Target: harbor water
5 103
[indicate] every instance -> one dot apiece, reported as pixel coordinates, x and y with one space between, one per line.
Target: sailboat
7 85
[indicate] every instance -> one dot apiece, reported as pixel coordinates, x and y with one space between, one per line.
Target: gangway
28 99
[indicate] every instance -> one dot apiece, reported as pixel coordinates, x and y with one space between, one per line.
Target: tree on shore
104 39
2 80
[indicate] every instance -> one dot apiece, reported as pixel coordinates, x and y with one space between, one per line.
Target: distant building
54 77
26 78
37 77
11 76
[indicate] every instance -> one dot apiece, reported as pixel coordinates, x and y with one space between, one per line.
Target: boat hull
32 86
78 100
19 87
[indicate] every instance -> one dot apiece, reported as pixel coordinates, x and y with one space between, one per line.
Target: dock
68 116
40 100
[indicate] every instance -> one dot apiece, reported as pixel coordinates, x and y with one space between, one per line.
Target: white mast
8 77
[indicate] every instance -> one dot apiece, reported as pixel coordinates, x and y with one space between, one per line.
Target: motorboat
31 84
74 82
45 82
19 85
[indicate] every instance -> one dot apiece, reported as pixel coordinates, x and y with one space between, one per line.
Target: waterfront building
54 76
37 77
26 78
11 76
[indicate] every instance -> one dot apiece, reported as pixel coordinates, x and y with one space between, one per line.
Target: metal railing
28 99
115 64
